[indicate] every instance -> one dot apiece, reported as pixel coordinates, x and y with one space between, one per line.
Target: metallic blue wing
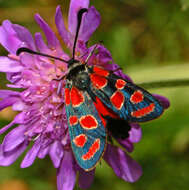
86 130
129 101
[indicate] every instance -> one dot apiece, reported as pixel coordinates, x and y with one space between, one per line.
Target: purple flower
42 118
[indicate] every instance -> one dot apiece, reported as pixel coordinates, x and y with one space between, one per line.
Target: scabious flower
41 120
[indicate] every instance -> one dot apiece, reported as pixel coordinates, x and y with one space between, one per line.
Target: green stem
165 84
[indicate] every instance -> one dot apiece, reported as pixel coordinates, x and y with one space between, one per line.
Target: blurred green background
150 41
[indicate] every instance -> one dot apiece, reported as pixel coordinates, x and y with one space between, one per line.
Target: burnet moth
99 103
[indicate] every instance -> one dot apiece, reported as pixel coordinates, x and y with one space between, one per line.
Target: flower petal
90 23
135 134
8 37
24 35
14 78
8 65
43 152
31 154
102 58
61 28
75 6
14 138
7 158
163 100
66 174
18 106
85 178
53 43
122 164
17 120
56 153
120 73
5 128
7 102
9 93
126 144
40 44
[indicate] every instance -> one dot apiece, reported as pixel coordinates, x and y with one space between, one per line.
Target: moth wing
86 130
127 100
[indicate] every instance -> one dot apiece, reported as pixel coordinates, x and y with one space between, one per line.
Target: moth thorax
81 80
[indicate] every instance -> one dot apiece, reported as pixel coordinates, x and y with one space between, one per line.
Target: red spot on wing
144 111
117 100
67 96
98 81
80 140
88 122
120 84
103 110
77 97
92 150
100 71
73 120
137 97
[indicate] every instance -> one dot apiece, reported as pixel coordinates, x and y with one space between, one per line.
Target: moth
99 103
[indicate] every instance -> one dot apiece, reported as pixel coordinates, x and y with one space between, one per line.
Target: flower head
42 118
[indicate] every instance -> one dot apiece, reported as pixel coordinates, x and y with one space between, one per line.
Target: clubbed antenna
72 60
79 19
23 49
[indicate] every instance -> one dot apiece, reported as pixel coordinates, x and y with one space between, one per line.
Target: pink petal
31 154
18 106
51 38
90 23
7 102
122 164
8 65
9 93
14 138
25 36
17 120
43 152
13 78
163 100
61 28
8 37
56 153
135 134
41 45
28 60
66 174
75 6
126 144
7 158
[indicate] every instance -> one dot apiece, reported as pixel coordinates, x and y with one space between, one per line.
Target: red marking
80 140
117 99
103 110
88 122
98 81
92 150
67 96
137 97
100 71
77 97
73 120
120 84
143 111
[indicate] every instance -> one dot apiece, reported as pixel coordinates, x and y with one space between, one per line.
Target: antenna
23 49
79 18
72 60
